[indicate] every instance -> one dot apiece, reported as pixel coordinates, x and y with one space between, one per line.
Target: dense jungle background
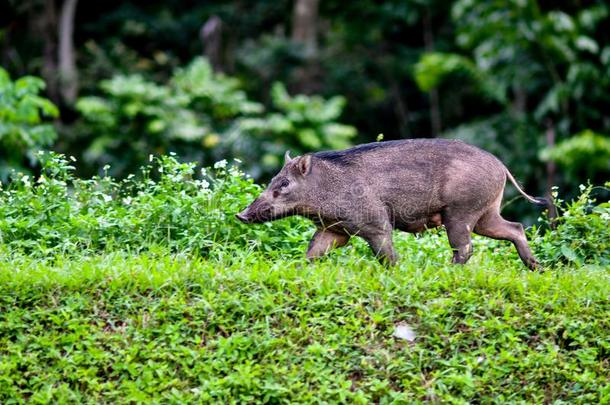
527 80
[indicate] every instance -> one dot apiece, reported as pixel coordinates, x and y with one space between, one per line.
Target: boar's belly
416 225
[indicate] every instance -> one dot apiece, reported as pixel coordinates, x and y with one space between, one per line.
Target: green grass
247 327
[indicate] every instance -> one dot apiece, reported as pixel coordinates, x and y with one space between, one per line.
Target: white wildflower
106 197
127 200
150 158
26 181
234 171
221 164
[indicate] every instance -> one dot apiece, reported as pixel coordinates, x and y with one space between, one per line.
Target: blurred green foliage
134 117
202 116
299 124
435 67
23 129
585 153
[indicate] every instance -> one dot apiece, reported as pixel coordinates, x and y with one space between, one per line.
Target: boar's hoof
388 260
534 265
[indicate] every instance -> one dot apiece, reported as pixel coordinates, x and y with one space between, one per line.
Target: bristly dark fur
343 157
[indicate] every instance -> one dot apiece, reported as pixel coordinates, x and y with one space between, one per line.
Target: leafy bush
300 124
434 68
23 130
175 207
581 236
169 204
203 116
135 117
585 153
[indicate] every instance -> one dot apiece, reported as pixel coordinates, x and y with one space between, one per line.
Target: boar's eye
283 184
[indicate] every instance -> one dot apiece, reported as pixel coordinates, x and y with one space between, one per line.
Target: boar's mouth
257 212
242 217
249 218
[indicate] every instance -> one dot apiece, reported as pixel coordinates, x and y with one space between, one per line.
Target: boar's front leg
381 244
323 241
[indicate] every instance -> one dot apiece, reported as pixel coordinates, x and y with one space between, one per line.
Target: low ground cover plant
191 210
167 203
582 235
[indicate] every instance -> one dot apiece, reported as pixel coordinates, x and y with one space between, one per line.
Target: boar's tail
536 200
541 201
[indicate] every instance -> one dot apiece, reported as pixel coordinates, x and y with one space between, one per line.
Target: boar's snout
242 216
258 211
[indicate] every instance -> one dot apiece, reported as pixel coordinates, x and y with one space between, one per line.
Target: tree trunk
68 75
520 100
211 38
551 169
305 25
305 33
550 165
435 109
402 111
47 29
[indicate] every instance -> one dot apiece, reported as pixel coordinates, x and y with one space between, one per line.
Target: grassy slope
120 327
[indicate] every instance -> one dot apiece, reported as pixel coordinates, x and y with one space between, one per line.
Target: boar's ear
304 164
287 157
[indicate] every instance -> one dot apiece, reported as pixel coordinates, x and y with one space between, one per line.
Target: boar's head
286 194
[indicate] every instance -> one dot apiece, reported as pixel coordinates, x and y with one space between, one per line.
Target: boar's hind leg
323 241
458 233
494 226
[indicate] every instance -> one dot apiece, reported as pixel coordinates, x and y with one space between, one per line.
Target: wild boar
410 185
